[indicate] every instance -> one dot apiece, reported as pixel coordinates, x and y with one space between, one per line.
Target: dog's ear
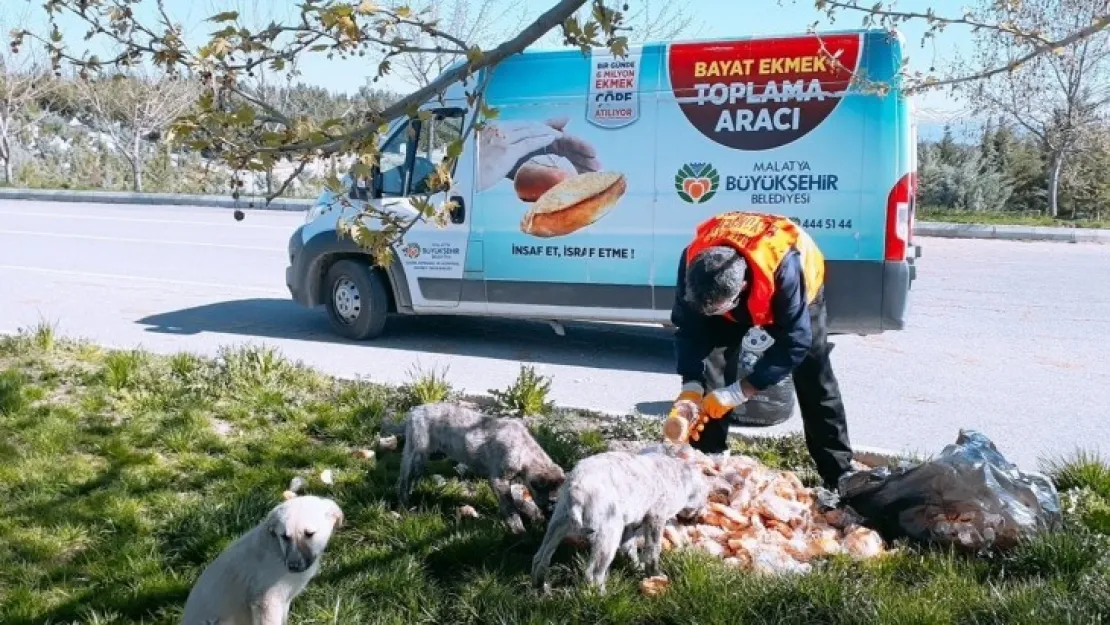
335 514
274 525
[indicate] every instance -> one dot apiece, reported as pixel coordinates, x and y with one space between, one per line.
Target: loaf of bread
536 177
573 204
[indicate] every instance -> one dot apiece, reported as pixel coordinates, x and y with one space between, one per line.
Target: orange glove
718 403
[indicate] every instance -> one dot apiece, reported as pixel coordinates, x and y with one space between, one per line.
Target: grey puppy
614 499
254 580
500 449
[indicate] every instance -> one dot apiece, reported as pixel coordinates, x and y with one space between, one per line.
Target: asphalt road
1007 338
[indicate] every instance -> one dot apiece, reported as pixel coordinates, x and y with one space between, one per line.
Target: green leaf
360 170
332 182
454 149
226 16
245 116
474 55
489 112
619 46
590 31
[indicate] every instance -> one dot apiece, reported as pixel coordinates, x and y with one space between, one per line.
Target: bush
526 396
1083 469
426 387
121 369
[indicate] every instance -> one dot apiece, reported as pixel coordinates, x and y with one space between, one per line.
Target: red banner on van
765 93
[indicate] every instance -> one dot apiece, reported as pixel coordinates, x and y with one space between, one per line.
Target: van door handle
458 211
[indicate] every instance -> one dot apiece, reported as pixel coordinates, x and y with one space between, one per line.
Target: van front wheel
356 299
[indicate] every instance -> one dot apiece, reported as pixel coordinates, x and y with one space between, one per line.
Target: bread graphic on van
573 204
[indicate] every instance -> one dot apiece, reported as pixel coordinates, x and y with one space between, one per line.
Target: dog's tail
574 509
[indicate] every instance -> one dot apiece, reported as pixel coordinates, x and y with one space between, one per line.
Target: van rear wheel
356 298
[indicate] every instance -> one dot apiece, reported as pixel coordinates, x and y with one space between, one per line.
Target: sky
710 19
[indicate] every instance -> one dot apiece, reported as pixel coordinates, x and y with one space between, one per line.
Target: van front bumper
296 274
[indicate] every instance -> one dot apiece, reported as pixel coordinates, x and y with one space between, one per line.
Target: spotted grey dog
500 449
613 499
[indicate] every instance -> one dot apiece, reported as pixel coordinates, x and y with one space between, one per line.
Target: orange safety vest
763 240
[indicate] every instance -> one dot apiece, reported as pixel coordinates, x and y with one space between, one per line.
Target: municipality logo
412 251
696 183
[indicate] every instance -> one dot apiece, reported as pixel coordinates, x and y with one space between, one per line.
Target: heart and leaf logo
696 183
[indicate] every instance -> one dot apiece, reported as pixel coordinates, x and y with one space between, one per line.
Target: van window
435 135
392 162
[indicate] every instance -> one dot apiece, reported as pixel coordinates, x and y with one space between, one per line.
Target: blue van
576 201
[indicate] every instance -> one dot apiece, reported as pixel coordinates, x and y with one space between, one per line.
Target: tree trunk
6 154
137 165
1054 185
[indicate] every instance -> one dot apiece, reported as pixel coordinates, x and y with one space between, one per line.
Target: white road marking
115 276
93 237
148 220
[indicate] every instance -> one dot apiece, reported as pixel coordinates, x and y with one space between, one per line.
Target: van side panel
605 108
683 131
773 124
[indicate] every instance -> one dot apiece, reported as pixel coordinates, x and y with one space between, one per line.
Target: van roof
456 90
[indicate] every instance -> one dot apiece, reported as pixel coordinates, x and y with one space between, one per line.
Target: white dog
616 499
254 581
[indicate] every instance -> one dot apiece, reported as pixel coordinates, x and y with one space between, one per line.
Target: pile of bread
766 521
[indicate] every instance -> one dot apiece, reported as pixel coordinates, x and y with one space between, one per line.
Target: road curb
937 229
1011 233
156 199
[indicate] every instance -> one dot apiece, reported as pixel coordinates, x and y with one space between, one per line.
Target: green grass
1004 219
122 474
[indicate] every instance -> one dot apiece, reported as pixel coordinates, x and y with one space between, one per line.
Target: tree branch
931 17
553 17
1098 25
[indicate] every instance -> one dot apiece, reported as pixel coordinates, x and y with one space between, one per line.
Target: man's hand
718 403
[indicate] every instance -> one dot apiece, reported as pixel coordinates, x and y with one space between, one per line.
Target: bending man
758 280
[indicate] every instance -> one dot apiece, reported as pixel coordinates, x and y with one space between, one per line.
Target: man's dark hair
714 278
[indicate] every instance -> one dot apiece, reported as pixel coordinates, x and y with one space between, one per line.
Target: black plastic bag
771 406
969 497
